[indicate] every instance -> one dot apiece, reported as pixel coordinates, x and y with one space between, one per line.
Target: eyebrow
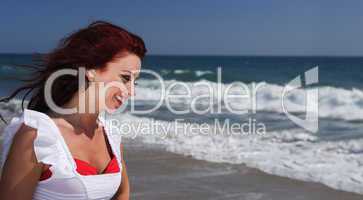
133 74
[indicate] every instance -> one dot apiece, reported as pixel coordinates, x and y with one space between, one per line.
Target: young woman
52 155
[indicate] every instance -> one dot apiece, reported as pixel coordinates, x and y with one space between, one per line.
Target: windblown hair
91 47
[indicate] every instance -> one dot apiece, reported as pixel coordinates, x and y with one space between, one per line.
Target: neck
86 122
81 123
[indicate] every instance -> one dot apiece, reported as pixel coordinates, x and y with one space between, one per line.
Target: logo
311 121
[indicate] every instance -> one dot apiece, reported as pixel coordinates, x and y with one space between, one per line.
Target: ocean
333 155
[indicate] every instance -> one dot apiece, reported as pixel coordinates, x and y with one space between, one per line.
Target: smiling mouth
118 99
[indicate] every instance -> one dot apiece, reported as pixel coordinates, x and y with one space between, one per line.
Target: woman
52 155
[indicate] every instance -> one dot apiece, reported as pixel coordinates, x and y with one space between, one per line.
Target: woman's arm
123 192
21 171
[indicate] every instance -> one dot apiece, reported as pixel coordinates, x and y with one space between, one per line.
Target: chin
111 107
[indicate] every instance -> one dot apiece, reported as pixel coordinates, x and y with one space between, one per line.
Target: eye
125 78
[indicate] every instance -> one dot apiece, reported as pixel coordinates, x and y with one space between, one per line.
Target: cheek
110 97
107 92
104 96
111 92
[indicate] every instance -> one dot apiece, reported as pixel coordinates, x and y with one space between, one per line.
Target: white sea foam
291 153
180 71
11 108
333 102
197 73
201 73
336 103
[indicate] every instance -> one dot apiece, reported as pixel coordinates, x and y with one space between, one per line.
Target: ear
91 74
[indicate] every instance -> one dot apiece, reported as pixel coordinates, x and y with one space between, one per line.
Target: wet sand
157 174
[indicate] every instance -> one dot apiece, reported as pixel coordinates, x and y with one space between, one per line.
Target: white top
50 148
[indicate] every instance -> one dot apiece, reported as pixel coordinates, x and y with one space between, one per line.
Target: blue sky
213 27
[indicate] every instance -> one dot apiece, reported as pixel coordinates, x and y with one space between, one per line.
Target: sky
194 27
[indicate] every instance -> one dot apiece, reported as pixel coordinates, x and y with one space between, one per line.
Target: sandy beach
157 174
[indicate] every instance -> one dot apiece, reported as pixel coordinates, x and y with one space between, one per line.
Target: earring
91 75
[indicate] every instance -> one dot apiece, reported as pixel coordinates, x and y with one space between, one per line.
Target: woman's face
115 82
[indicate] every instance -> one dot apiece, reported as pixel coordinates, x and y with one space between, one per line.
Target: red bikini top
85 169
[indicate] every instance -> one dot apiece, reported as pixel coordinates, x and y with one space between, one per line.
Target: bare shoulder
22 147
24 137
21 171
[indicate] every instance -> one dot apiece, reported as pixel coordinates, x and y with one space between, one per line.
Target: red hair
91 47
96 45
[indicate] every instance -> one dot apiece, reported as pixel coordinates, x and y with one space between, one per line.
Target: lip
118 99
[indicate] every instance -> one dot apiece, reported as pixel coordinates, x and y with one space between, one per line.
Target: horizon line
217 55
